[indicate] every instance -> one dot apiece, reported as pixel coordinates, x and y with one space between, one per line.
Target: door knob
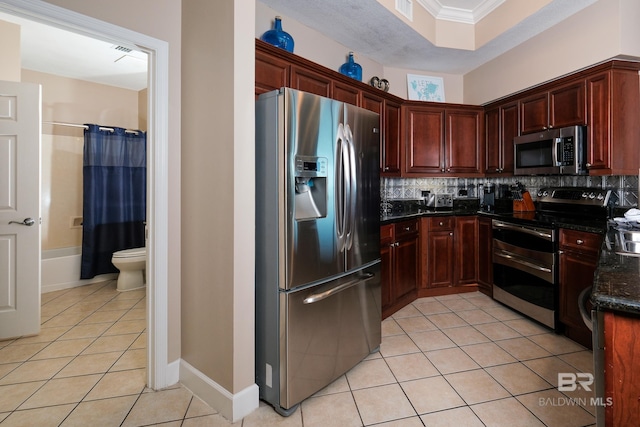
27 221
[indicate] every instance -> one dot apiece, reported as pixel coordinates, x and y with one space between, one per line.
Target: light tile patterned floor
459 360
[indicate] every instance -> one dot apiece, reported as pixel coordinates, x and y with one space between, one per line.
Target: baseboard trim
233 407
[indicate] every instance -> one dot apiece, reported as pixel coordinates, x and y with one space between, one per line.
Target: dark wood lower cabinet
621 373
485 256
577 265
399 269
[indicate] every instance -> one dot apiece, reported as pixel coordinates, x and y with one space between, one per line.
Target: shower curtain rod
75 125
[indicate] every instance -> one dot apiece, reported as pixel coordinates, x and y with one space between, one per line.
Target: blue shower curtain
115 194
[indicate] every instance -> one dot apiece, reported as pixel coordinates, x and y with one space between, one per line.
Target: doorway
159 374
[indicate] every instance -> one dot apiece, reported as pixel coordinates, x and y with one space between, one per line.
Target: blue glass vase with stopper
351 68
278 37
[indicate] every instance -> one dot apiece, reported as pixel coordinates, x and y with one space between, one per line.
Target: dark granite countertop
617 280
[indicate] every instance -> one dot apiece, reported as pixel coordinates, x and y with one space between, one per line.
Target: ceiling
371 30
364 26
51 50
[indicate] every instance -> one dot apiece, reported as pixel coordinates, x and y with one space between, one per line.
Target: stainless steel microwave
561 151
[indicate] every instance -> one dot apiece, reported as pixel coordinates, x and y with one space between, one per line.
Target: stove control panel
578 195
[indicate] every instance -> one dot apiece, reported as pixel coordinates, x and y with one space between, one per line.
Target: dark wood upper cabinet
271 73
534 113
309 81
558 107
423 140
445 141
567 105
391 139
464 136
345 93
613 103
501 127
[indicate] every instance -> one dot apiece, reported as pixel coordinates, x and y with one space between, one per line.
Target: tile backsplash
626 186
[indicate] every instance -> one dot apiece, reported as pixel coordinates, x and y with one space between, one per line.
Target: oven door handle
519 260
537 233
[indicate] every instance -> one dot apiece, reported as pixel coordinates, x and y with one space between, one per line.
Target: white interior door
20 125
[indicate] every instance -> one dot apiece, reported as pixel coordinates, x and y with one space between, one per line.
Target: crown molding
456 14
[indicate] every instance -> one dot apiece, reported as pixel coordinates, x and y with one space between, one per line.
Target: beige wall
160 19
318 48
218 191
10 48
72 101
601 31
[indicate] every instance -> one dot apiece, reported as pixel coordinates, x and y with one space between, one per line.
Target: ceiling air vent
122 49
405 7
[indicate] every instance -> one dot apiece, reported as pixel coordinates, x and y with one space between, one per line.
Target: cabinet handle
579 241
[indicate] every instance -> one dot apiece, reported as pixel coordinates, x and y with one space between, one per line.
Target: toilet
131 263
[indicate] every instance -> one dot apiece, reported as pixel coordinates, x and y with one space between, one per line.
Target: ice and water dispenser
311 187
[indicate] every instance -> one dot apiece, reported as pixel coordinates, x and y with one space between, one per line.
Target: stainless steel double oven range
525 249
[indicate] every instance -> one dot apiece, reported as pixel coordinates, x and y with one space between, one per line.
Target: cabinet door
345 93
310 81
508 131
391 149
463 141
567 105
440 254
534 113
492 141
466 250
424 140
386 271
598 115
576 273
406 266
271 73
485 256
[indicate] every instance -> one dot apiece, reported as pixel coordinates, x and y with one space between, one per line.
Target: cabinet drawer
386 233
580 241
442 223
406 227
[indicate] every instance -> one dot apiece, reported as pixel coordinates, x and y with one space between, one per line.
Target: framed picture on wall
425 88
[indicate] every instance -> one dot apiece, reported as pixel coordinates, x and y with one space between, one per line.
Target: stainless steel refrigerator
317 243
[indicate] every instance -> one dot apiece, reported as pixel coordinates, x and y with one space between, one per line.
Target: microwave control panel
567 155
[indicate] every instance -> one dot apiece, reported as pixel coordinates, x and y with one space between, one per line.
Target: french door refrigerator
318 309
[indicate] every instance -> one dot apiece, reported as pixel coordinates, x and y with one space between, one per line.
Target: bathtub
60 269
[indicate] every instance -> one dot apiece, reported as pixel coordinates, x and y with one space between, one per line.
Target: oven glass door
524 285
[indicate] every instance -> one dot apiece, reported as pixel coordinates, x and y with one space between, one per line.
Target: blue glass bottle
351 68
278 37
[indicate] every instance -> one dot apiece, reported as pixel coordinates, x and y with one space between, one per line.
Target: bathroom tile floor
459 360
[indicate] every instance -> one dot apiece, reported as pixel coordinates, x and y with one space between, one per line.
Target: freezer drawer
324 331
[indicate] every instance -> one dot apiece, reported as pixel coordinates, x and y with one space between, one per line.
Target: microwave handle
557 152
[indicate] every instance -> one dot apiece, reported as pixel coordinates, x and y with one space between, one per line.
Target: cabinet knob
544 127
449 170
441 223
442 170
386 168
407 228
579 241
588 165
451 234
497 169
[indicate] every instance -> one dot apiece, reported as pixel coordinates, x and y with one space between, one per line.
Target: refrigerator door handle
351 178
342 187
326 294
